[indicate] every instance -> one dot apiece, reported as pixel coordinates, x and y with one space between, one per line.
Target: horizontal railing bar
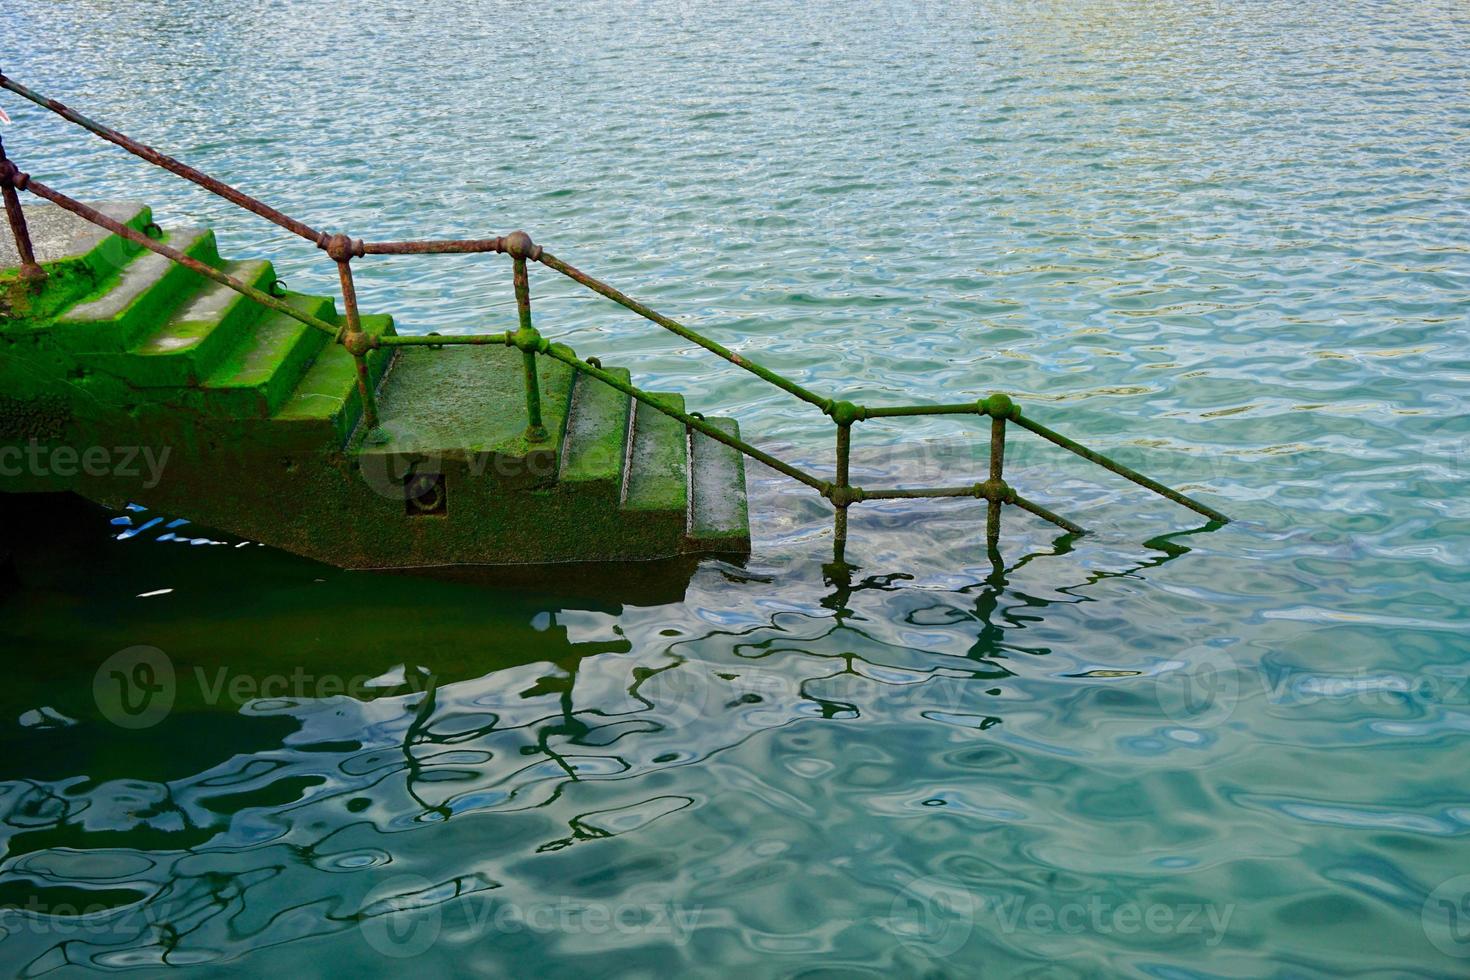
168 163
969 491
1128 474
972 490
1046 515
444 246
566 356
133 235
964 408
602 288
437 340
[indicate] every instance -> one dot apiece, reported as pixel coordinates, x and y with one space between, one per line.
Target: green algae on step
657 475
597 432
327 394
260 374
208 310
196 338
144 291
718 511
470 399
60 239
75 253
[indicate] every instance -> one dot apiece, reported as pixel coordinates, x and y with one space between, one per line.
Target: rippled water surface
1224 241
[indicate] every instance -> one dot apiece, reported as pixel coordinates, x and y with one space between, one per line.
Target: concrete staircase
257 418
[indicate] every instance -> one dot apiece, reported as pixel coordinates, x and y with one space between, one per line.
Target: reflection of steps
260 416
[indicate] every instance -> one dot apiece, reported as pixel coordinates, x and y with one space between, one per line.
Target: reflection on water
794 763
430 789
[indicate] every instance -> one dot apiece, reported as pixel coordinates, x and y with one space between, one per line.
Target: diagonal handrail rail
342 249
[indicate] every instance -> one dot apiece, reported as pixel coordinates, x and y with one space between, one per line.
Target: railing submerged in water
342 249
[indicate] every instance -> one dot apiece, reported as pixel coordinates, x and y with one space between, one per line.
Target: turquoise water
1225 242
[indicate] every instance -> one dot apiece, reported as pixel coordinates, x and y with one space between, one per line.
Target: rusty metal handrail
342 249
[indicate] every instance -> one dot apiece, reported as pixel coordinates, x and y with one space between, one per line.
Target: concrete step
257 377
657 477
326 399
719 518
596 447
134 302
77 255
201 331
469 403
59 237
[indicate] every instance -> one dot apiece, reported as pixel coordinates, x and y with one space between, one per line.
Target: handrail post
842 484
997 481
1000 408
342 250
30 271
841 492
521 248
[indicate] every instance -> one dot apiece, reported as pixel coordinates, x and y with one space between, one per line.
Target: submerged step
718 510
657 478
597 432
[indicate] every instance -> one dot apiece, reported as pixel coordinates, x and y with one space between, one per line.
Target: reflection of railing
342 249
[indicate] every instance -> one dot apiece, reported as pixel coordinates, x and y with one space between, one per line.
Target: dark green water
1226 242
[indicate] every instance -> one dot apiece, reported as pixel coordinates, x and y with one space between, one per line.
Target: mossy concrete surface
127 378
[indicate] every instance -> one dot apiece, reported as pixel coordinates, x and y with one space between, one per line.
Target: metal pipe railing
997 479
840 492
842 489
526 338
435 340
622 299
30 270
455 246
1120 469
